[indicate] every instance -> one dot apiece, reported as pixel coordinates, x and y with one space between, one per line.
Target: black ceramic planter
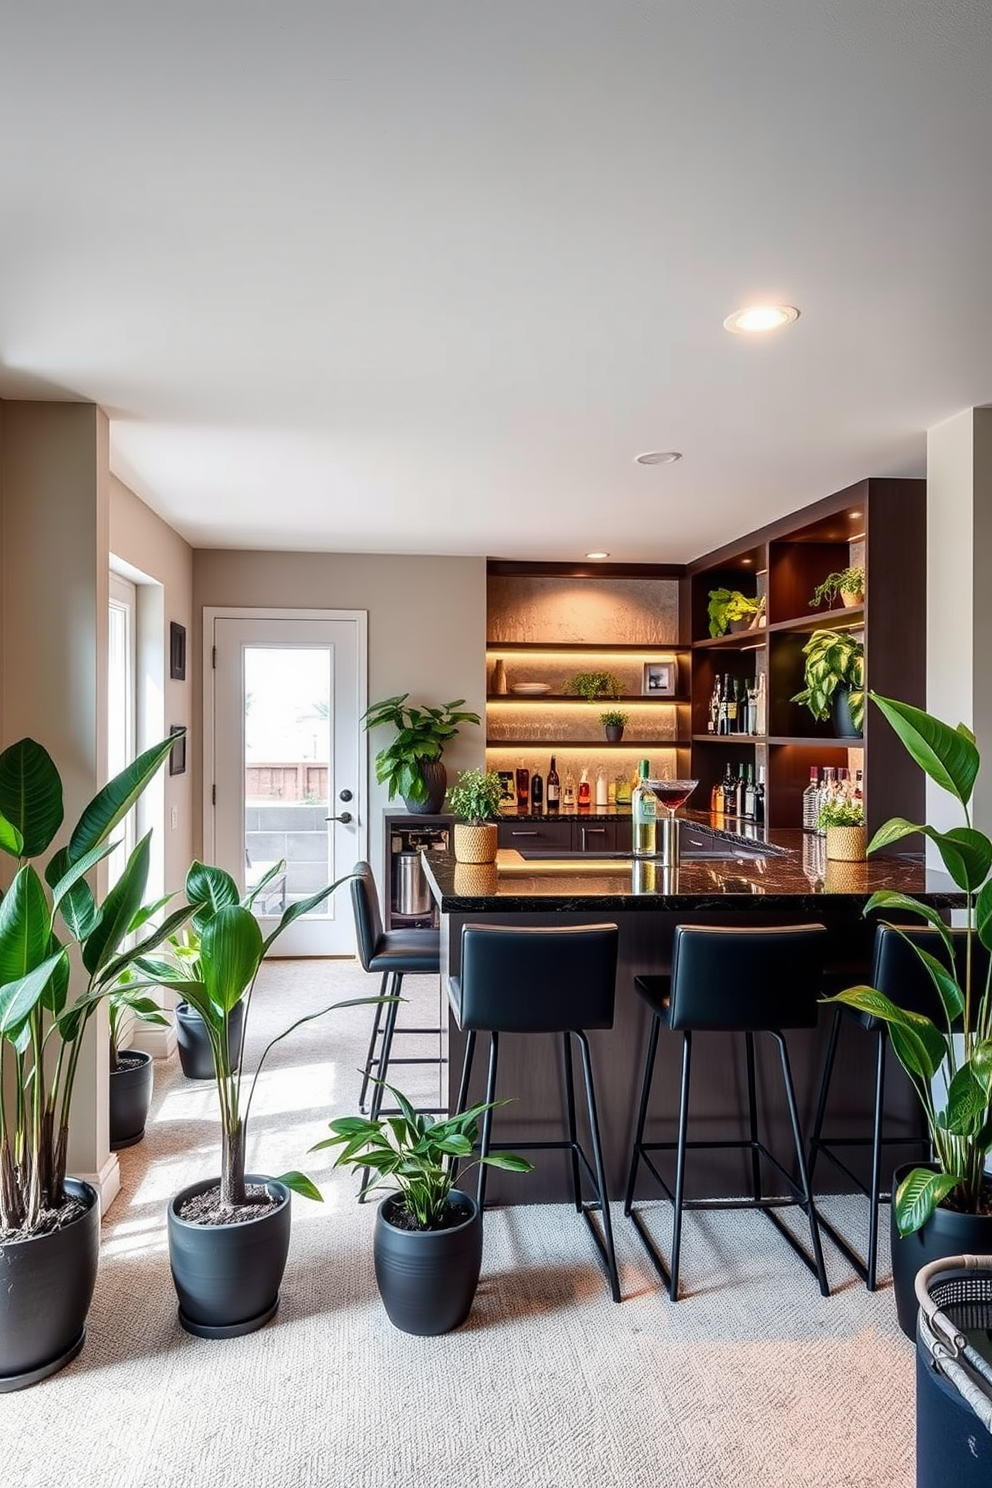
614 732
946 1233
435 777
130 1099
46 1286
841 713
427 1278
194 1046
227 1277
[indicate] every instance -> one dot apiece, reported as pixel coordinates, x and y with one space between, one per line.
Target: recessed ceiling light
658 457
597 555
756 318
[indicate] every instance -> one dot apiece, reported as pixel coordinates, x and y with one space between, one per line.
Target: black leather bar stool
898 972
393 953
739 981
542 981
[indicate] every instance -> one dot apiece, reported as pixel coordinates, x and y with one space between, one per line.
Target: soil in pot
946 1233
131 1085
46 1286
427 1278
227 1275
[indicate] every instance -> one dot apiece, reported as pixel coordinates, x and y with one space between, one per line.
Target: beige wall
155 553
427 631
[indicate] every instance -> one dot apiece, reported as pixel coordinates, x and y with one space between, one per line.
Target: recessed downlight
597 555
754 319
658 457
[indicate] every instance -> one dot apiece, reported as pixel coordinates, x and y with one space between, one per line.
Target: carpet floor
753 1378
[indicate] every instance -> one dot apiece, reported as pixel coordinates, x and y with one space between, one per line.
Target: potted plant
427 1244
729 609
849 583
593 685
475 799
411 765
835 681
229 1235
131 1070
843 820
614 721
50 1224
948 1201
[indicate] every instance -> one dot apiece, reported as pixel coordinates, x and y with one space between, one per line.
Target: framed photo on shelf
660 678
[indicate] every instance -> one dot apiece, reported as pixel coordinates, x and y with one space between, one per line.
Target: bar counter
791 885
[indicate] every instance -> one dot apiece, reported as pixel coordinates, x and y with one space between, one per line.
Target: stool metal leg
797 1137
570 1110
388 1027
752 1114
597 1150
487 1120
673 1287
642 1111
876 1161
821 1105
370 1059
462 1101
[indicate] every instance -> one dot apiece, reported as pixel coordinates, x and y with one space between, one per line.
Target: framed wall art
177 651
177 756
660 678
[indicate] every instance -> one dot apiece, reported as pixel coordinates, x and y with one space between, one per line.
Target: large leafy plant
42 1020
833 659
214 969
421 735
415 1154
955 1056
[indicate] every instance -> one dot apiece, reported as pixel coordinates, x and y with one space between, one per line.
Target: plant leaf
118 909
114 801
230 953
946 754
967 1103
25 926
19 998
921 1048
303 906
31 795
966 853
918 1196
891 899
301 1184
891 831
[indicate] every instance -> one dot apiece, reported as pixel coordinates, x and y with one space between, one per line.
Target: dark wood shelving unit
528 699
784 562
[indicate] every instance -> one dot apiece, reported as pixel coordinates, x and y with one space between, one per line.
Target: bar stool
740 981
394 953
560 980
898 972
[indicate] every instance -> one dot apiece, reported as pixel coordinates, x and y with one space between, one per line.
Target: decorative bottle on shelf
554 789
811 800
751 724
733 709
759 797
523 786
716 799
729 791
714 713
585 794
749 793
602 790
721 718
761 707
644 813
536 792
568 792
498 683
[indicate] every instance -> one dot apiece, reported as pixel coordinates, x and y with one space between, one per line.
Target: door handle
524 834
344 795
344 817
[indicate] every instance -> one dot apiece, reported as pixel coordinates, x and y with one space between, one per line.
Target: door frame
211 613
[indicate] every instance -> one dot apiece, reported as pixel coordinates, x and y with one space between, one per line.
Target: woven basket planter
476 844
847 844
476 880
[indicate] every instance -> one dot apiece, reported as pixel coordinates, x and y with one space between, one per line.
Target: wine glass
672 794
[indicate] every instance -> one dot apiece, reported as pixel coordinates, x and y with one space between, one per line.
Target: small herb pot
476 844
847 844
614 732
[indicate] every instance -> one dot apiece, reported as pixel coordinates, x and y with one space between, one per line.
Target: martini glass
672 794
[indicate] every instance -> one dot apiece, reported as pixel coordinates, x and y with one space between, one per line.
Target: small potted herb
475 799
593 685
427 1244
729 609
849 584
614 721
844 823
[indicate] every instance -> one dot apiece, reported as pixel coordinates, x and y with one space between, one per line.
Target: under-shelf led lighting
597 555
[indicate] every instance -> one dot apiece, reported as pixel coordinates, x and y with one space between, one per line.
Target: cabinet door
529 834
593 836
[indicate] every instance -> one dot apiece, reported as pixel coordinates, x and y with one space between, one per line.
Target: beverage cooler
408 903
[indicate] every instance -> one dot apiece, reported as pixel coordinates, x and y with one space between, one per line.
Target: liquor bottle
759 797
731 705
554 789
537 792
585 794
568 792
602 790
714 714
749 794
739 791
729 791
721 713
811 800
761 707
716 799
523 786
643 811
828 789
751 724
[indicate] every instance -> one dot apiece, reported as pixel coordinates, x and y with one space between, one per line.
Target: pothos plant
950 1063
42 1017
214 969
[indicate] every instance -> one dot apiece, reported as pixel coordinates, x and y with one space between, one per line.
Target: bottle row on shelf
739 795
529 790
737 707
837 786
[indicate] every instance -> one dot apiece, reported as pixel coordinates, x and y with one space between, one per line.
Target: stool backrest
537 981
898 971
746 979
368 920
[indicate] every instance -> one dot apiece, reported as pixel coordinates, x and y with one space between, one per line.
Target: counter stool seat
739 981
394 953
559 980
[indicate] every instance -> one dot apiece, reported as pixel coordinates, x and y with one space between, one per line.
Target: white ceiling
425 275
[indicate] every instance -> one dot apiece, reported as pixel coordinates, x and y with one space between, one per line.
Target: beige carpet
753 1379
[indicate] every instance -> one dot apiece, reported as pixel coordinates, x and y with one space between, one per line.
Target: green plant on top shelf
841 812
592 685
849 582
727 605
614 718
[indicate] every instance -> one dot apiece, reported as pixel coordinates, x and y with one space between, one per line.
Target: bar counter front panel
646 902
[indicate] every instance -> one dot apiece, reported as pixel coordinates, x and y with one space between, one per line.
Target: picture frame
177 651
177 755
660 678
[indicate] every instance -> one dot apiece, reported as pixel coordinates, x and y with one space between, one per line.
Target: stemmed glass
672 794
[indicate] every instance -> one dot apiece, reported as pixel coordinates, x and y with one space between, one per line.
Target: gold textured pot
847 844
476 879
476 844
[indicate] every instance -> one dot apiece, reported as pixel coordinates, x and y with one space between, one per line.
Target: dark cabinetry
406 898
590 834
